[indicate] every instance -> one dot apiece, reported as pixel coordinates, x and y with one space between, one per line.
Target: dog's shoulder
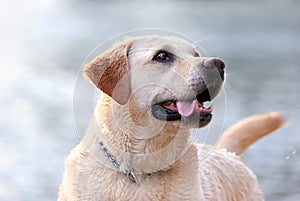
213 160
222 171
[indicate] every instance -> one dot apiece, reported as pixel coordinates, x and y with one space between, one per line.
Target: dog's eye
162 56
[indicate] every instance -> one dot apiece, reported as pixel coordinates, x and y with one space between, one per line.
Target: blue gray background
43 46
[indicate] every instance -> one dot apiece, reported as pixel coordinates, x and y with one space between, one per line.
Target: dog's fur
132 82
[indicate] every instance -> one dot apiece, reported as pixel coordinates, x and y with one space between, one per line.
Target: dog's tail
244 133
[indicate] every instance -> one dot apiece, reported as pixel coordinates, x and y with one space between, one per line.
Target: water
43 46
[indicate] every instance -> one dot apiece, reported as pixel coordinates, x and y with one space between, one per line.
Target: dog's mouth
174 110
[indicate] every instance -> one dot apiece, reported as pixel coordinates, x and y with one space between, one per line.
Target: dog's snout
215 63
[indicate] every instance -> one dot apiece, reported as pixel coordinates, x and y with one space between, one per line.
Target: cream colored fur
184 170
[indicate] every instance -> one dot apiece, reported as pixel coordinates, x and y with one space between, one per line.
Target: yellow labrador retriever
138 145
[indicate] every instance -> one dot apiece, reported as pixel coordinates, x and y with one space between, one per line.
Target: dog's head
161 78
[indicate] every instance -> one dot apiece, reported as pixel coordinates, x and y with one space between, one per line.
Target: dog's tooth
174 103
207 104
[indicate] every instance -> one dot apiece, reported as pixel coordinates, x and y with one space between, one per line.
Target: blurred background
43 47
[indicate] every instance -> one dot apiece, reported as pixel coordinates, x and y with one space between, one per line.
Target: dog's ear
110 72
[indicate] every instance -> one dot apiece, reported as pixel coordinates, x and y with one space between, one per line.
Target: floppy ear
110 72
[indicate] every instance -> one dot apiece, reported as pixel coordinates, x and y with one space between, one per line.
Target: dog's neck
151 154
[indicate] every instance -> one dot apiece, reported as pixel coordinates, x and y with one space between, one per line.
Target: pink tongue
186 109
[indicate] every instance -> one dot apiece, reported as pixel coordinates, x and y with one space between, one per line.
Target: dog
138 145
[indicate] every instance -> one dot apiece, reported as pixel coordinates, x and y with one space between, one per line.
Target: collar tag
131 176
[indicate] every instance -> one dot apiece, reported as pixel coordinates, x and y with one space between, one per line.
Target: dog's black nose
215 62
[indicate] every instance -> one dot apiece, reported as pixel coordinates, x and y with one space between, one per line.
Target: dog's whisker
196 43
201 40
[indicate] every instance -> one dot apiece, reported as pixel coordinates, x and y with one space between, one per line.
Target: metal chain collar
131 175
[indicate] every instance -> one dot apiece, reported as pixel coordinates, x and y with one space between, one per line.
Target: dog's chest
179 183
171 185
213 178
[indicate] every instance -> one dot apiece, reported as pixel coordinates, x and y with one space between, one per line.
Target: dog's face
159 79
